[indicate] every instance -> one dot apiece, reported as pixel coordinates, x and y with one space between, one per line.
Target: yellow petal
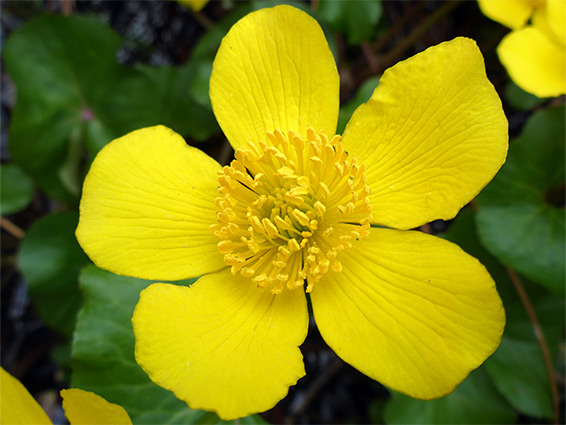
511 13
534 62
221 344
555 12
83 407
274 71
411 311
432 135
147 205
17 406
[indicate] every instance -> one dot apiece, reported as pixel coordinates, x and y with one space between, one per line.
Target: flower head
289 207
534 53
293 214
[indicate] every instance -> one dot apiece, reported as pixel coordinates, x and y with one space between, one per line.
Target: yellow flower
81 407
408 309
195 5
535 54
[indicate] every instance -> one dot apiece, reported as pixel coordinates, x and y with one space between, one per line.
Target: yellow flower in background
408 309
195 5
534 54
81 407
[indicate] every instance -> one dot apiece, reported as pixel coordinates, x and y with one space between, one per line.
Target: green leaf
50 259
103 354
174 105
73 94
517 368
146 96
16 189
66 60
362 95
198 88
519 373
358 19
520 99
521 218
61 354
475 401
96 136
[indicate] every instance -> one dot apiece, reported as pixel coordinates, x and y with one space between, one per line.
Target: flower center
287 208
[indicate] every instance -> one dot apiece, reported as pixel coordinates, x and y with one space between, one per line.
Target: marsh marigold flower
293 213
81 407
534 53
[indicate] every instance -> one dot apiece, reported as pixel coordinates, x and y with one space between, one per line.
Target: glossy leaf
50 260
110 369
521 218
145 96
475 401
73 94
65 61
517 368
16 189
520 99
357 19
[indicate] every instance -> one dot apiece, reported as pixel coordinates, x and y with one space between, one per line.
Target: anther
287 206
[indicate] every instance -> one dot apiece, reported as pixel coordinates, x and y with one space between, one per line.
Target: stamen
288 207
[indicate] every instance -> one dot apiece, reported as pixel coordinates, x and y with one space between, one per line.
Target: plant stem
202 19
11 228
315 4
397 26
540 337
417 32
370 58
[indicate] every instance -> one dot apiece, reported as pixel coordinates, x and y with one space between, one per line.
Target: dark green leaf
50 260
199 86
66 60
475 401
522 219
358 19
173 105
362 95
146 96
97 135
16 189
517 367
72 93
520 99
103 354
519 373
61 355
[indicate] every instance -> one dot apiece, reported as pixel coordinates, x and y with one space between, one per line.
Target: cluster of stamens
288 207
